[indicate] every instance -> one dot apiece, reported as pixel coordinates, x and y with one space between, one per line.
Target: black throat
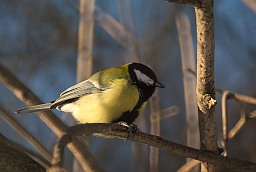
145 92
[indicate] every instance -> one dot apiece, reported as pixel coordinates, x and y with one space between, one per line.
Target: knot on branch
209 101
206 102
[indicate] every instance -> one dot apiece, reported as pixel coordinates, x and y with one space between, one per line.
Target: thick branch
15 160
155 141
205 78
58 127
7 117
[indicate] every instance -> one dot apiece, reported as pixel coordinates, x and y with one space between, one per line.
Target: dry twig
239 124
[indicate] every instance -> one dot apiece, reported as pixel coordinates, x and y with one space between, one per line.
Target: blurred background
39 44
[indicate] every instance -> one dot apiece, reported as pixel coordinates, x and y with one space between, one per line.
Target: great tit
112 95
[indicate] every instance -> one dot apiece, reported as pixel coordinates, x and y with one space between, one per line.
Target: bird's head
144 78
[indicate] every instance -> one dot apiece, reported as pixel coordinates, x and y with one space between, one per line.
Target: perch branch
119 131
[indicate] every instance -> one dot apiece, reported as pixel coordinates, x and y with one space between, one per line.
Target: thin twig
238 97
224 109
239 124
80 151
122 132
7 117
169 112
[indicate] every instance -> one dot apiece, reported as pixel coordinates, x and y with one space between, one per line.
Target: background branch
85 39
155 122
113 27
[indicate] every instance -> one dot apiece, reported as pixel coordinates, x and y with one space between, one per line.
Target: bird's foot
131 128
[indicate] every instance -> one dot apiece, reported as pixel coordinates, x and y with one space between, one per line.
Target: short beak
158 84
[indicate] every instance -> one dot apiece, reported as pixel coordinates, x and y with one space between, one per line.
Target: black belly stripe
127 117
130 116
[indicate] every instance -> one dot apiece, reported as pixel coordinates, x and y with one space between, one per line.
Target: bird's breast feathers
105 106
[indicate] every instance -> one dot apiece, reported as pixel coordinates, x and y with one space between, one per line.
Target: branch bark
122 132
15 160
7 117
205 79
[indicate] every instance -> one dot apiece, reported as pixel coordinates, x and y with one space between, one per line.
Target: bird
113 95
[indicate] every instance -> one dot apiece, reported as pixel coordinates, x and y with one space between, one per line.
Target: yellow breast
106 106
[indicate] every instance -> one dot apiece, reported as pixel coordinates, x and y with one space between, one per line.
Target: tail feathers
29 109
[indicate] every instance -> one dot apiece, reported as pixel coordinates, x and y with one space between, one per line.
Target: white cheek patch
143 77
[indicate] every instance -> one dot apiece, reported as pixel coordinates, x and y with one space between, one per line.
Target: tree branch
122 132
7 117
13 159
205 79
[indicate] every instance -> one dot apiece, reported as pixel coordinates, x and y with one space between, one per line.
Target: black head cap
144 78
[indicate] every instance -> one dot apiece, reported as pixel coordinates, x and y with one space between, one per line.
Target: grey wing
76 91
